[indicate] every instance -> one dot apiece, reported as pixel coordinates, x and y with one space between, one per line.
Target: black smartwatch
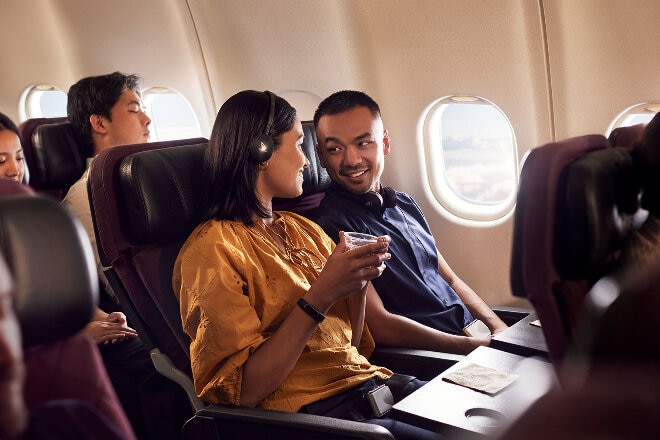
311 311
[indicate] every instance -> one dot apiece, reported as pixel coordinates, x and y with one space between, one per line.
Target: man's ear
98 124
320 156
386 142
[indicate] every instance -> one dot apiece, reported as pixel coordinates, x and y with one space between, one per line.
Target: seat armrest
511 315
423 364
257 423
163 364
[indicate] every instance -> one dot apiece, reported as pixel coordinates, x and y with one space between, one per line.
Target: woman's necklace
296 255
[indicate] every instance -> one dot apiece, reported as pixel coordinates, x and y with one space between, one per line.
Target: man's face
13 414
352 146
129 124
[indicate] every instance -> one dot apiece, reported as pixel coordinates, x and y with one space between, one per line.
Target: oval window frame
452 205
624 118
148 96
29 103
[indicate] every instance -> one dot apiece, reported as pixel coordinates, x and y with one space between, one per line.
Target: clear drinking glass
356 239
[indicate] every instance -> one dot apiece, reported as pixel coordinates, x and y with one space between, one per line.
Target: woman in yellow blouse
274 310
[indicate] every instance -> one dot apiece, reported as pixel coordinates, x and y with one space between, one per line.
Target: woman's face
283 174
12 165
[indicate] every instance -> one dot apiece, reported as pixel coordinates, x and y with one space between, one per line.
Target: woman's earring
263 166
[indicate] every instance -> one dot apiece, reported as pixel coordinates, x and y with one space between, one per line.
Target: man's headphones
386 198
262 145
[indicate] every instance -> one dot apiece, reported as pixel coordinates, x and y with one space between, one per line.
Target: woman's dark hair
229 175
8 124
646 156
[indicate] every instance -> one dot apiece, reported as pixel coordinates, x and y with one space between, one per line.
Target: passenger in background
12 165
644 243
106 111
418 284
266 297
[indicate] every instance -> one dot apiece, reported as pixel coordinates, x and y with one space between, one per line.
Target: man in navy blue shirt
421 302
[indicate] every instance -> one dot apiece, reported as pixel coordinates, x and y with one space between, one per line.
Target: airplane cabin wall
438 48
69 39
31 52
403 53
604 59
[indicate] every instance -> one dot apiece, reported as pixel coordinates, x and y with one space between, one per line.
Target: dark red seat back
52 264
143 200
55 292
573 211
53 155
626 136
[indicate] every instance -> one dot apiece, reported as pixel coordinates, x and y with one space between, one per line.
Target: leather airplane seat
145 204
55 292
575 206
52 154
626 136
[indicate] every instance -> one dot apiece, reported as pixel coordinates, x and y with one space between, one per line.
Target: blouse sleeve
216 312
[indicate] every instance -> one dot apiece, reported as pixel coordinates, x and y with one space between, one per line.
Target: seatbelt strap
397 383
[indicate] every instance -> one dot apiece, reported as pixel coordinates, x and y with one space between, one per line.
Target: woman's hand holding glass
348 271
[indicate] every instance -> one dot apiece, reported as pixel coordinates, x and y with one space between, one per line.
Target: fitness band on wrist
311 311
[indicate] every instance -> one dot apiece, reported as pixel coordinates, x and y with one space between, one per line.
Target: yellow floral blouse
235 288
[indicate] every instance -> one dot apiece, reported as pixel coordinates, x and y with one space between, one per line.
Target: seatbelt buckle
380 399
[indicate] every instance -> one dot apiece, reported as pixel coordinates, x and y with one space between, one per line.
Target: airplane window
41 101
636 114
172 116
470 157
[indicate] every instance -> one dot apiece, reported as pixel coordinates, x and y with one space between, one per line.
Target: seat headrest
596 200
161 190
315 178
626 136
58 159
51 261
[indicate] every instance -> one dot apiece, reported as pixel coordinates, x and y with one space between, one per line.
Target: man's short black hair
342 101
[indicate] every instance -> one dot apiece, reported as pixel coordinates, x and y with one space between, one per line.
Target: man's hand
110 330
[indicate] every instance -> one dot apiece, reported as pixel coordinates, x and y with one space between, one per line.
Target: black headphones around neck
375 200
262 145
